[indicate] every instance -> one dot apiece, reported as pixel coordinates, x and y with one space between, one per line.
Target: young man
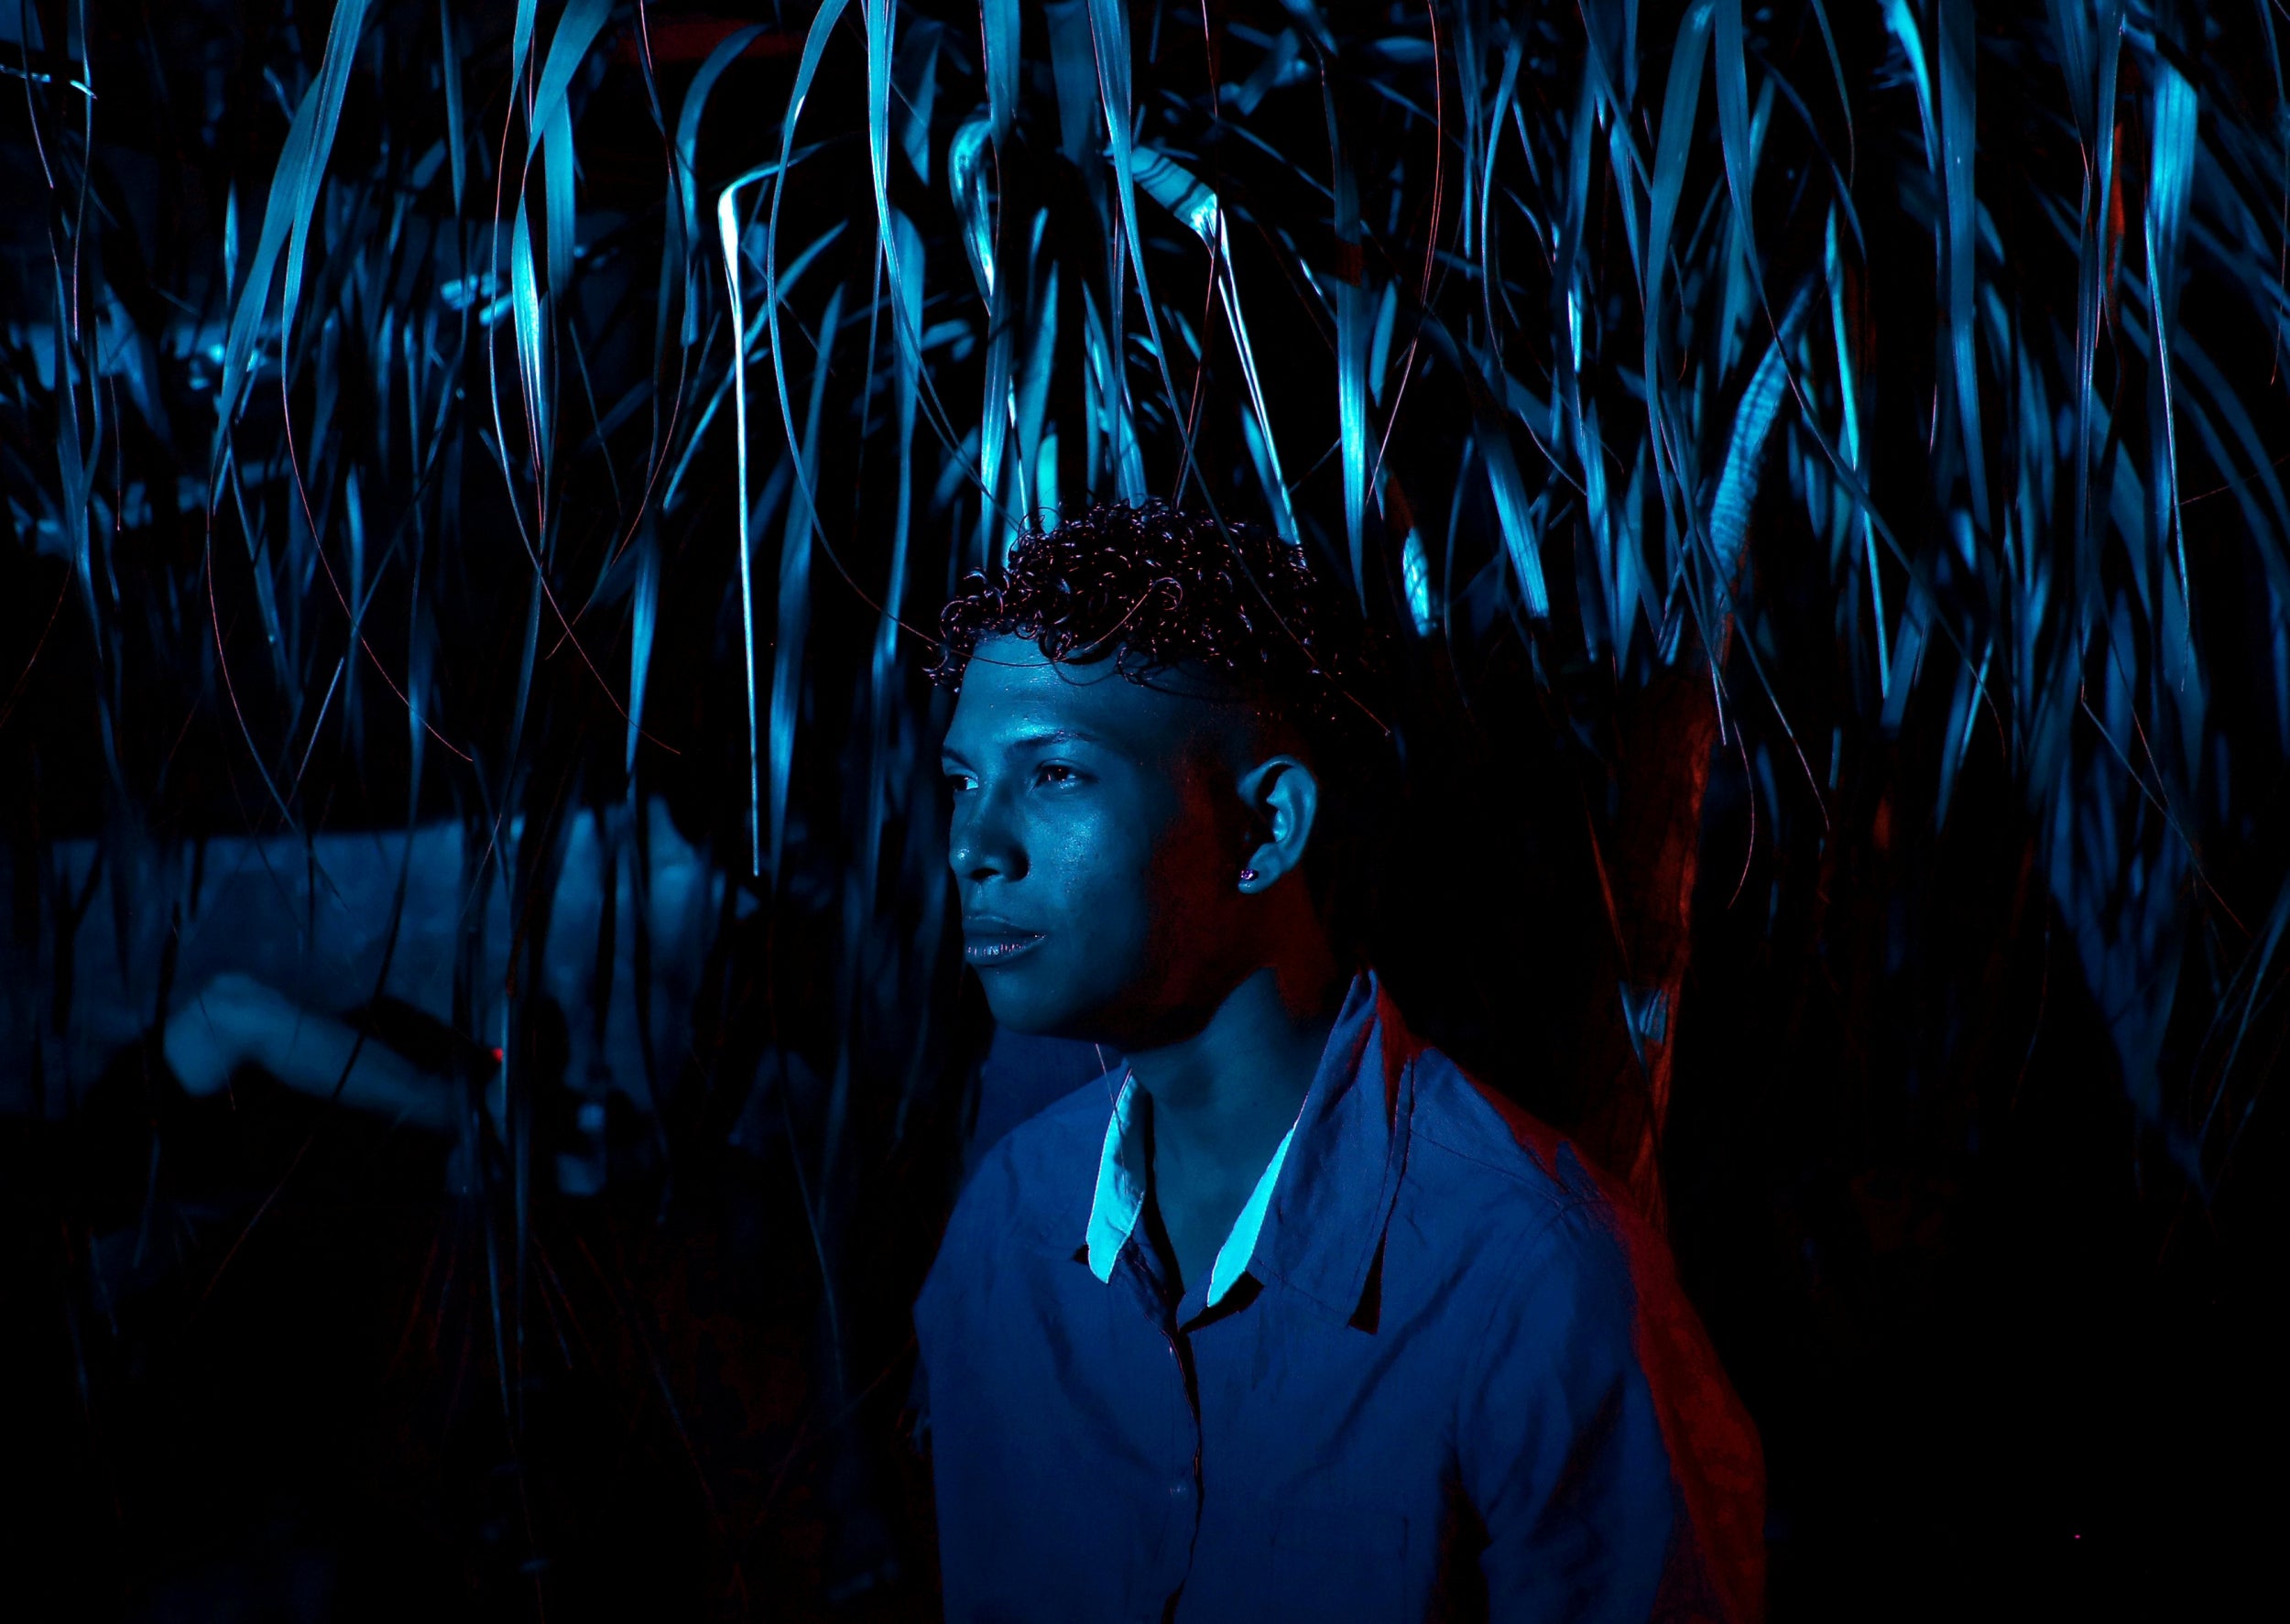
1288 1318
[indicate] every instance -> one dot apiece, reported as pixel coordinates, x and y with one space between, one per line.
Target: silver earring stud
1248 875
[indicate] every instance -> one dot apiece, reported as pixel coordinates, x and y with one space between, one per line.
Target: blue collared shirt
1445 1376
1120 1201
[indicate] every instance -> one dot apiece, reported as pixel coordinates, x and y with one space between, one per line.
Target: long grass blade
794 616
293 200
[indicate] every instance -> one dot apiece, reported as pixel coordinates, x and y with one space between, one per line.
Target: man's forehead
1012 694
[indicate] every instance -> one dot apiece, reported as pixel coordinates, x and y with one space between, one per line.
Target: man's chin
1037 1011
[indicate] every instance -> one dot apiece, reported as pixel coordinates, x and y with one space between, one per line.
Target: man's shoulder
1484 1154
1470 1121
1039 1176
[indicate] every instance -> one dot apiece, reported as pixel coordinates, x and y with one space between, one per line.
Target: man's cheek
1080 852
1176 927
1177 893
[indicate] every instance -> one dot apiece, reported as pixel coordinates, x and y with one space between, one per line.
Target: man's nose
984 845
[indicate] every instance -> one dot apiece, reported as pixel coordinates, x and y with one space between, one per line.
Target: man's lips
988 943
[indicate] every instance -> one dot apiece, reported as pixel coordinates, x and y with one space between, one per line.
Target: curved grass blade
1351 340
1849 442
794 610
1680 106
727 227
687 175
643 621
1190 199
2170 180
1738 478
999 31
806 72
883 680
532 351
1515 511
906 328
1109 33
456 135
293 198
1734 133
550 128
1958 135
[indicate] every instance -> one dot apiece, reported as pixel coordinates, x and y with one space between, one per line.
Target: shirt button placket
1184 1502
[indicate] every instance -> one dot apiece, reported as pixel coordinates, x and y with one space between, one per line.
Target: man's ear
1282 797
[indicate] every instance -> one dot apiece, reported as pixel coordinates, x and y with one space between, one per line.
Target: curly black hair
1150 585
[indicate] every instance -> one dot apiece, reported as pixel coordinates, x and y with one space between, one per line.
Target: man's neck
1223 1096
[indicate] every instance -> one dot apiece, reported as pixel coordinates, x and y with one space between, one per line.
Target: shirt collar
1316 1218
1120 1199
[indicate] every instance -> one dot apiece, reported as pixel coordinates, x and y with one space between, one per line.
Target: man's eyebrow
1049 738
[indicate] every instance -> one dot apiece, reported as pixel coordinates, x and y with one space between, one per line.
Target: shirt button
1178 1489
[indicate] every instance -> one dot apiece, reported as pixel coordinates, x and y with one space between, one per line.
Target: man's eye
959 781
1058 773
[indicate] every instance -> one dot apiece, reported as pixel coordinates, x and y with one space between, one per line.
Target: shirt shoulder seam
1540 1183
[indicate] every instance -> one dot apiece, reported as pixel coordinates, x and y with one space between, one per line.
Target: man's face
1096 840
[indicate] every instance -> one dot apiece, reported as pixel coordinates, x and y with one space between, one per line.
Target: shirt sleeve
1614 1471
